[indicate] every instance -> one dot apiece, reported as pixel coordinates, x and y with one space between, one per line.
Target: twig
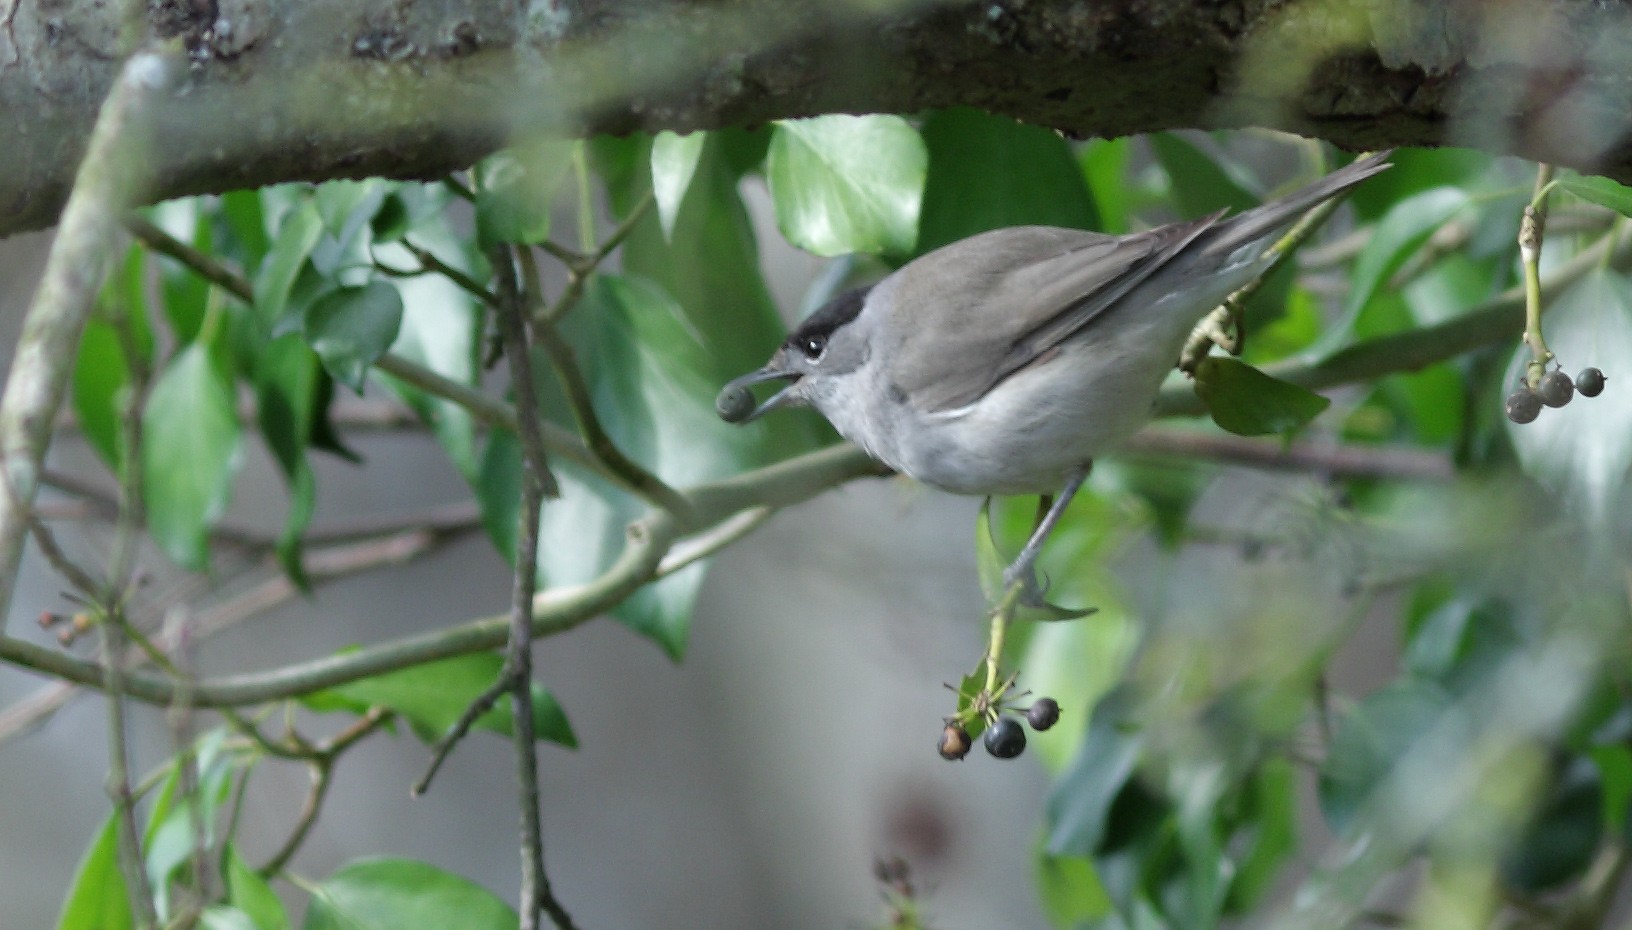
1532 228
537 482
112 175
573 384
1228 315
1397 462
1490 322
554 611
321 766
323 565
580 265
204 265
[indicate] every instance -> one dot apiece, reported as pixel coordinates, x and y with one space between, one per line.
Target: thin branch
204 265
1490 322
1345 460
555 611
113 174
580 265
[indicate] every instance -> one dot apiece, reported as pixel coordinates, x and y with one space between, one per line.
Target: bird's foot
1033 591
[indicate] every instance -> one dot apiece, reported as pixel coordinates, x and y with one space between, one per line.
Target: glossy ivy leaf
845 184
98 898
1247 402
710 267
1078 819
297 236
100 378
1397 236
184 293
351 327
190 452
1564 832
1270 833
515 191
987 172
287 385
391 221
649 377
170 839
1599 190
441 327
432 696
674 162
248 892
1370 739
1104 164
1584 450
1201 184
389 894
498 491
1070 890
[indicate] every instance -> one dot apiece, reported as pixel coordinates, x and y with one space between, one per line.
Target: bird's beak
734 401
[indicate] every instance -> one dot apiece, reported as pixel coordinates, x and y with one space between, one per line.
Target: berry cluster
1554 389
1005 738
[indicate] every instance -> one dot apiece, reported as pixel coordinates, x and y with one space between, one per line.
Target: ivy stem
1531 230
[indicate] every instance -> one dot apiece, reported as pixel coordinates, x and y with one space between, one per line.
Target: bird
1006 362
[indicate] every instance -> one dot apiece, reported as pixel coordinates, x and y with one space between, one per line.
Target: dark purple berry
1006 738
1523 405
734 404
1043 713
1555 389
954 744
1590 382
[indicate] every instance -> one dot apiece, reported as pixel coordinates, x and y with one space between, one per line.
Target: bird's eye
813 346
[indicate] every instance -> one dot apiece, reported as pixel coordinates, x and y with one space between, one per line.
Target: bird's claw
1033 592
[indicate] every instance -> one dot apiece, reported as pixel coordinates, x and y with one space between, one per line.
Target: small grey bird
1005 362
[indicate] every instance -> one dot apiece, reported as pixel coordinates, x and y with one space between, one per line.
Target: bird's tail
1262 221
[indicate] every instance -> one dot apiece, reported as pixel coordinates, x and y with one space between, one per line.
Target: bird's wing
1010 296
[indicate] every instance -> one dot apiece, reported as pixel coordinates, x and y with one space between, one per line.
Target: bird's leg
1023 570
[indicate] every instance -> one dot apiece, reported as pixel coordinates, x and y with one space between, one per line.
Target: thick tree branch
318 89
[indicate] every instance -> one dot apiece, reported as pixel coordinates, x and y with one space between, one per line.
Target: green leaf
1598 190
1564 832
100 379
222 917
391 221
1369 740
432 696
97 896
651 378
844 184
515 191
351 327
298 235
1070 890
441 326
286 382
1248 402
498 492
1584 450
986 172
1270 836
390 894
185 294
1105 169
1201 184
190 451
250 894
674 163
710 268
1398 236
1078 817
